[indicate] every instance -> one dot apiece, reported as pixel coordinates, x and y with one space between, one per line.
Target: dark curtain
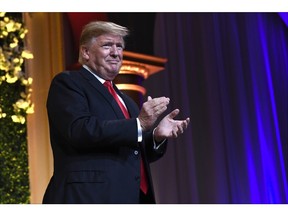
229 73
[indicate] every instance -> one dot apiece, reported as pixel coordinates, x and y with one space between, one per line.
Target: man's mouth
113 62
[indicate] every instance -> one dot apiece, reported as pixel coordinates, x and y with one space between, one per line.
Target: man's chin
114 70
113 74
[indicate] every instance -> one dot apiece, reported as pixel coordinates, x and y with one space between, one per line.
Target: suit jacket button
136 152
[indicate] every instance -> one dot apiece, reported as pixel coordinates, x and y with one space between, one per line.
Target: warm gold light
134 68
140 65
132 87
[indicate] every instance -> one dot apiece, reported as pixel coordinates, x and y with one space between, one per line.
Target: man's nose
114 50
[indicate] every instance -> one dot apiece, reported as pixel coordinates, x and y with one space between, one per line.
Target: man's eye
109 46
106 46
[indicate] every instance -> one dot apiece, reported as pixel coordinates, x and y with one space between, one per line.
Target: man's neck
91 71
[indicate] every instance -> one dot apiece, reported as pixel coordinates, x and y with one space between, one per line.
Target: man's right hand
151 110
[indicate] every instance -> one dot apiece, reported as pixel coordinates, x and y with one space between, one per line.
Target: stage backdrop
229 73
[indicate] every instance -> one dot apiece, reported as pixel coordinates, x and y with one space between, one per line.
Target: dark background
140 25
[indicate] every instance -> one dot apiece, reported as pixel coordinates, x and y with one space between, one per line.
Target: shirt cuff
157 145
139 129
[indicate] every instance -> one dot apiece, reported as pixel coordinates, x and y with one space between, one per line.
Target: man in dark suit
98 151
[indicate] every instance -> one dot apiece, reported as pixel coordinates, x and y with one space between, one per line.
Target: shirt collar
99 78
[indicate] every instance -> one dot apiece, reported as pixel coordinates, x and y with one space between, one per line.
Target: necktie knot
110 88
112 91
107 84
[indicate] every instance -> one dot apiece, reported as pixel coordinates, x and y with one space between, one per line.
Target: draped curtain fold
229 73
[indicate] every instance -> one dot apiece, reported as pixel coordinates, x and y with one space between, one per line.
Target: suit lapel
102 90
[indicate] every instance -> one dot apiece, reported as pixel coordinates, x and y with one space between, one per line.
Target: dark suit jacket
95 149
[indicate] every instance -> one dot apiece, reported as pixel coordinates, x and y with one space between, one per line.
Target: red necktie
143 181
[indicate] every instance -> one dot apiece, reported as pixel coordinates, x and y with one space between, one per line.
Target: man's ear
84 52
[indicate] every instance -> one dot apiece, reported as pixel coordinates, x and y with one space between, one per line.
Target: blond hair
96 28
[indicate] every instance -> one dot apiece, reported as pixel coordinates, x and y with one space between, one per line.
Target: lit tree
15 104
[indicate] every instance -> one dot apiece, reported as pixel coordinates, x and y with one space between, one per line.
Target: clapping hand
151 110
170 128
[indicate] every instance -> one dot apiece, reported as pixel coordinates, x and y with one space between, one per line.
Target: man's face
104 55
